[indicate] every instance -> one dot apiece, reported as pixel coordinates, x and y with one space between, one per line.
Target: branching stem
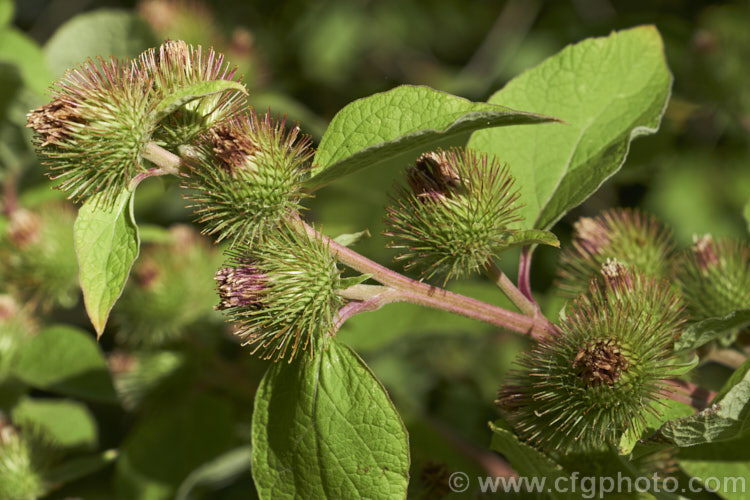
398 288
405 289
522 302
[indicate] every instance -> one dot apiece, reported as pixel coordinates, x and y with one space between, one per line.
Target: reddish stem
414 292
524 273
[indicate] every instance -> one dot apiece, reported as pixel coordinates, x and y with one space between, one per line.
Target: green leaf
345 283
23 52
608 90
747 215
66 423
104 32
532 237
725 420
680 369
350 239
68 361
169 443
107 244
733 380
375 129
667 410
326 428
220 470
76 468
727 461
186 94
705 331
524 459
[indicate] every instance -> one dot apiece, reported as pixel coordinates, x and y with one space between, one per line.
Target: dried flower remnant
239 287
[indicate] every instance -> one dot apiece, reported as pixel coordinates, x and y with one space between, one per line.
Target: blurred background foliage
168 387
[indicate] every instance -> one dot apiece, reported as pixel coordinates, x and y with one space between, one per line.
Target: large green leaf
608 90
525 460
105 32
729 418
65 423
169 443
705 331
107 244
747 215
728 463
66 360
326 428
375 129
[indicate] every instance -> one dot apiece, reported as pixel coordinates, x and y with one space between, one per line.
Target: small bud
636 240
456 216
282 293
714 277
433 176
603 373
250 178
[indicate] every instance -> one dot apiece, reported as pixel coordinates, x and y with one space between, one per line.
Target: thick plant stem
403 289
168 163
408 290
502 281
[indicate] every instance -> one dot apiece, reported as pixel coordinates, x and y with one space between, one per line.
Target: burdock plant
595 379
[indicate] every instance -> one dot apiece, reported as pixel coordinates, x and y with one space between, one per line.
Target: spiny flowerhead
455 215
177 65
714 276
581 389
638 241
248 177
282 294
170 289
37 255
91 135
103 114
